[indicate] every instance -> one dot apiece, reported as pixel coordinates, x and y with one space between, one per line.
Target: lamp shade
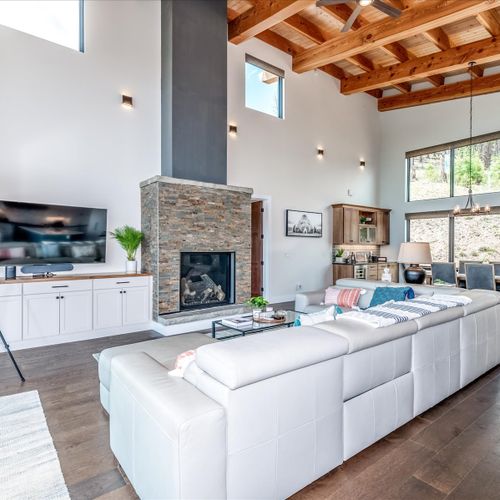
414 253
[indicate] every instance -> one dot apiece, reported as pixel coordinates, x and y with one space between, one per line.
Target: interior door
41 315
76 312
257 262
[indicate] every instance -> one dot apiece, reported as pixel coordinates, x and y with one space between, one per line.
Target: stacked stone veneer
187 216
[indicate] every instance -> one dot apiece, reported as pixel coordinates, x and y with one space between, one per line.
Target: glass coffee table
218 327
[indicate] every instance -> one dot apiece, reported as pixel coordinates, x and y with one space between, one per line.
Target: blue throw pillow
386 293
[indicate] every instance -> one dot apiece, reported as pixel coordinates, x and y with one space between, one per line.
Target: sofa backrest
371 285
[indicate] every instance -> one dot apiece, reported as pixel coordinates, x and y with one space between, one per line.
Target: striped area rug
29 467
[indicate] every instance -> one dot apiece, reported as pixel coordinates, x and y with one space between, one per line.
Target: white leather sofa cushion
480 300
164 350
435 363
249 359
369 368
169 437
479 343
439 317
283 432
376 413
361 336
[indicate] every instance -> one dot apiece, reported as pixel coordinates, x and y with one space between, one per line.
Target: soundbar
42 270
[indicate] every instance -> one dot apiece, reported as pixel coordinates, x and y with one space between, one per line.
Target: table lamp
413 254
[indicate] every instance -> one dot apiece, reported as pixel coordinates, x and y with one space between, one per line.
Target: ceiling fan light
365 3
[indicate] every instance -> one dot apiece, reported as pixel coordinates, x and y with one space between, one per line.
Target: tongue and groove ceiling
420 58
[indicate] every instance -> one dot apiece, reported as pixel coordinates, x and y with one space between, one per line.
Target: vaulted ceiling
419 58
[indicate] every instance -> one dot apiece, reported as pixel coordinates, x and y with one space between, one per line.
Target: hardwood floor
451 451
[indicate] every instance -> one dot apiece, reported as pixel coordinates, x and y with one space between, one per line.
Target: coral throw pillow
343 297
182 362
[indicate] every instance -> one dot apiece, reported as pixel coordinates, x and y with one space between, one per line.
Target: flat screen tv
31 233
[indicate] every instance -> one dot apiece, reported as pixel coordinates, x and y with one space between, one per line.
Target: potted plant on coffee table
258 305
129 239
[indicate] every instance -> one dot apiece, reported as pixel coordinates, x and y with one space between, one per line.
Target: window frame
264 66
440 214
452 146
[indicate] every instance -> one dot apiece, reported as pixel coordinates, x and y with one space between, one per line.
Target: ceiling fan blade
323 3
352 18
386 9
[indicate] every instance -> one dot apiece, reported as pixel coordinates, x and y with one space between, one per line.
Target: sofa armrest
169 437
305 299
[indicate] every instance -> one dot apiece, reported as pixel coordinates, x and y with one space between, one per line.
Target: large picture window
475 237
443 171
57 21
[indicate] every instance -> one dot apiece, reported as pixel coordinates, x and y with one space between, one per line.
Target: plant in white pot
129 239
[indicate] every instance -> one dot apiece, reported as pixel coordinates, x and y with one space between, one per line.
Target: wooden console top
69 277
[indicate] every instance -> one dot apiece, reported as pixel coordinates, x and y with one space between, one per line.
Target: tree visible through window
263 87
58 21
434 231
430 175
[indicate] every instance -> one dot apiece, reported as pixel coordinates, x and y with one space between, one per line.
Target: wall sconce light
362 164
233 130
320 153
127 101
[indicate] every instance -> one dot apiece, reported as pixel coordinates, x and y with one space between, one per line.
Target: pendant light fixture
471 208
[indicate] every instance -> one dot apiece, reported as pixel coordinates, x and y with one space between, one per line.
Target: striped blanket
393 312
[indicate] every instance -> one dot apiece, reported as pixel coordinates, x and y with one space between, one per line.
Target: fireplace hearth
206 279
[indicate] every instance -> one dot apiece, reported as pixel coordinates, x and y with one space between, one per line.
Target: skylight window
264 87
57 21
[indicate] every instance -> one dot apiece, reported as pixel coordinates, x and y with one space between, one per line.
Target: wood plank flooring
451 451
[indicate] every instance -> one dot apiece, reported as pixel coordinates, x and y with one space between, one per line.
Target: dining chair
444 271
480 276
463 263
496 267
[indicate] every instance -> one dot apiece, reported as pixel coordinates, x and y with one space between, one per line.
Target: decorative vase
256 314
131 266
339 260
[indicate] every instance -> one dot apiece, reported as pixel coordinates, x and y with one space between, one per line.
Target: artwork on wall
306 224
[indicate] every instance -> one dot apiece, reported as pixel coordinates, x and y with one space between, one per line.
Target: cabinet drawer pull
122 282
59 286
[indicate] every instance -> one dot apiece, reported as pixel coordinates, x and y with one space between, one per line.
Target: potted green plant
129 239
339 256
363 220
258 305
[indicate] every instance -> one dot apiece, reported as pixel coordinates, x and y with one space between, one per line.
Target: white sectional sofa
263 416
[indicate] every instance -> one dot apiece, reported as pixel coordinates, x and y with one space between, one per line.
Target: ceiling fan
378 4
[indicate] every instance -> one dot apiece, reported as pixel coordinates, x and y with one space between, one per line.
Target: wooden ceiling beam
490 21
483 51
305 27
438 37
481 86
428 15
263 15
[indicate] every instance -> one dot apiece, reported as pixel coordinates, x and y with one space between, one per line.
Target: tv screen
32 233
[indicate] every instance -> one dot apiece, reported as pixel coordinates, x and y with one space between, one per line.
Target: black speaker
10 272
46 268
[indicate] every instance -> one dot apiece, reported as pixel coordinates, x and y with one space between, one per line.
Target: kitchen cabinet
342 271
358 225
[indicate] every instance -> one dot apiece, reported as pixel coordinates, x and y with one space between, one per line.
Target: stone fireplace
197 243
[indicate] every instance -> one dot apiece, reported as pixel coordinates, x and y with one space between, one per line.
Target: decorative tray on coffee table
269 320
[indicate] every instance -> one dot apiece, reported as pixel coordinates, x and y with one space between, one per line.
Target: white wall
277 158
412 128
65 139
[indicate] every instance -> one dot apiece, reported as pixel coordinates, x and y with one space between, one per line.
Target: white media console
44 311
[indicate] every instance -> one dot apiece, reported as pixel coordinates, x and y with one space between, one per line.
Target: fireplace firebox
207 279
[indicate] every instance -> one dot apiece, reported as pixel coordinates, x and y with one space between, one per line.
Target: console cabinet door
76 312
107 308
135 305
11 314
41 315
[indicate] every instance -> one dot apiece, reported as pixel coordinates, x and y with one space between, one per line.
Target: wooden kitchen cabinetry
359 225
